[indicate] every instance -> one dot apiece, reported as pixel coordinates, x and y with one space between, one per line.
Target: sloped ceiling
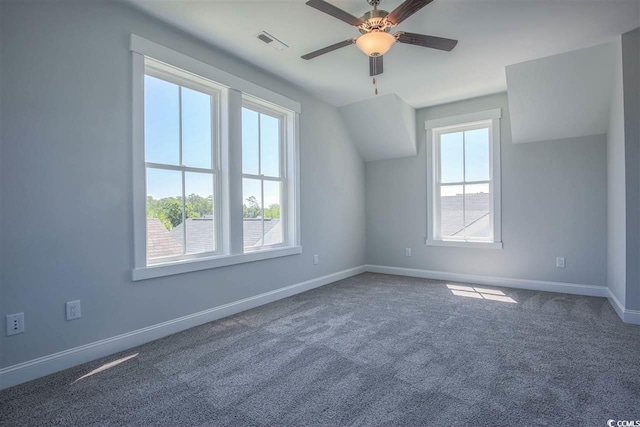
561 96
492 34
383 127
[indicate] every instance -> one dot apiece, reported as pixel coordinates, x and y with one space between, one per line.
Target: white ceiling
492 34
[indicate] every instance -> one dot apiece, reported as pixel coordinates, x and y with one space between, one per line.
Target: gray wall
616 210
553 204
66 176
631 79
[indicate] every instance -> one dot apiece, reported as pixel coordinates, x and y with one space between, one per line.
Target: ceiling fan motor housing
374 21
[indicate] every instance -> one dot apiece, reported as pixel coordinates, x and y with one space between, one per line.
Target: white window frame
182 79
256 105
232 90
434 128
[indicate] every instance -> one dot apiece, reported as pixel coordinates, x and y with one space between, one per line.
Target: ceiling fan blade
375 65
328 49
426 41
405 10
336 12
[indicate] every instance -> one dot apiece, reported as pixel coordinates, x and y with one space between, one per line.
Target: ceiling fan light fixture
375 43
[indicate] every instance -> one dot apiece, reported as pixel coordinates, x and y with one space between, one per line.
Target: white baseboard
46 365
627 316
534 285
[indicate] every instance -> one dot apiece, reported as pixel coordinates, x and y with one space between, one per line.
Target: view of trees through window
169 209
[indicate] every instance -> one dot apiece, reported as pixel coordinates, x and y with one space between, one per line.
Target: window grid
262 110
439 184
214 94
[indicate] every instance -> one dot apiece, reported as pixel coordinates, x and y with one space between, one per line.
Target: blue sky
162 143
476 165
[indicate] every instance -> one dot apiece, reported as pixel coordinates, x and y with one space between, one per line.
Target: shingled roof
201 235
160 242
476 207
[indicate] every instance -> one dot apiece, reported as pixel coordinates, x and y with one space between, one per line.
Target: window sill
186 266
462 244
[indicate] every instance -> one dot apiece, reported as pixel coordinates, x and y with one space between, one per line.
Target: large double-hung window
215 164
263 183
181 134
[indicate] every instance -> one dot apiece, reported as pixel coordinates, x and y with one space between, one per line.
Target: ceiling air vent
271 41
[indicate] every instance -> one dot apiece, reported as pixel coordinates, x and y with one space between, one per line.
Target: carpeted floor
370 350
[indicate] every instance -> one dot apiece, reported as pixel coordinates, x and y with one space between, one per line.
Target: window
215 166
464 187
181 117
263 182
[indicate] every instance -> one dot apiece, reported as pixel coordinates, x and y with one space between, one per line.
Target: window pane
250 141
270 145
476 147
477 211
272 220
161 121
451 211
164 213
451 157
196 128
199 211
252 212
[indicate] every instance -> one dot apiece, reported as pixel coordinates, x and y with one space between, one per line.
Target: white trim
46 365
139 172
534 285
197 264
464 244
164 54
627 316
463 119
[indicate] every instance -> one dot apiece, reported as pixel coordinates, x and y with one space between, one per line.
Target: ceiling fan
375 26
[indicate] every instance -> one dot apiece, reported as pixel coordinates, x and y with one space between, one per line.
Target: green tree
251 209
169 210
273 211
200 205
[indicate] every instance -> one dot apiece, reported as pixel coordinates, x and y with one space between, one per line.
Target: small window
464 199
181 116
263 180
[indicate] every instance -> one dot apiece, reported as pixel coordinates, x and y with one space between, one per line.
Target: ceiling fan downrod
374 3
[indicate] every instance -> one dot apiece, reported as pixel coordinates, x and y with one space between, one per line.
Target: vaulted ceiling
492 34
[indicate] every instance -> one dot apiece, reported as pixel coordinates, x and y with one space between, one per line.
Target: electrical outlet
407 252
316 259
73 310
560 262
15 324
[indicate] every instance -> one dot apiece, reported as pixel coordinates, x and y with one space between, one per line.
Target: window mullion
262 210
184 215
464 187
184 198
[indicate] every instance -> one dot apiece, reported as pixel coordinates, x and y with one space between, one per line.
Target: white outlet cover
15 324
316 259
560 262
407 251
73 310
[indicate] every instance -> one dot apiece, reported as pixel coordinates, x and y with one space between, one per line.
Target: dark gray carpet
370 350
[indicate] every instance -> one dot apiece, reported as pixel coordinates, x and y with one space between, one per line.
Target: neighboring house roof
476 210
160 242
252 231
201 235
